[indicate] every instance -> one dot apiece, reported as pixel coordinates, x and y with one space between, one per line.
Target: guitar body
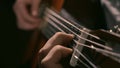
88 12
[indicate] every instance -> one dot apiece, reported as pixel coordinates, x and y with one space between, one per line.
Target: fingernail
71 35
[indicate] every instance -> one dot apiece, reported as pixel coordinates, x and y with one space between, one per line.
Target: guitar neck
62 18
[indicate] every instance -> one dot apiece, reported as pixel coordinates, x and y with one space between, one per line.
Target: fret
73 60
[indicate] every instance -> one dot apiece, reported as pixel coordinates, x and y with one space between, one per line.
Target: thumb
35 7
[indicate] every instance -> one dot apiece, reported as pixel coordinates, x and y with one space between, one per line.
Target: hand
27 14
53 51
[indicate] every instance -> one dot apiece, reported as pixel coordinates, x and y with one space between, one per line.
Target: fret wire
58 22
94 66
76 57
63 19
97 49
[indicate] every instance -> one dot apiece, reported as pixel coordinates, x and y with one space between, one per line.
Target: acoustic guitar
92 48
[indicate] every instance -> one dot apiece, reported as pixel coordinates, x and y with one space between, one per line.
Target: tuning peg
116 26
117 29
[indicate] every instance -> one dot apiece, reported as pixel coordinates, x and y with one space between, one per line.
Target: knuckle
42 52
58 33
58 47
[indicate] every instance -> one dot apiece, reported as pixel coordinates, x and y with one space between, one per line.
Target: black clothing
13 41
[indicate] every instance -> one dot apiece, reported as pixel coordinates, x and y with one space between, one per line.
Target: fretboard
62 18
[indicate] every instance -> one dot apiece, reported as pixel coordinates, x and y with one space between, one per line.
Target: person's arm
27 14
54 50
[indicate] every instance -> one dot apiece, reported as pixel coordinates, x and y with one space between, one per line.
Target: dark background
13 41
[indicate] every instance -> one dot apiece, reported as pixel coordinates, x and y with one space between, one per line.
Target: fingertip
69 50
71 35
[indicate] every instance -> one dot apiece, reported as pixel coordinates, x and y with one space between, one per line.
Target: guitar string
97 49
76 57
63 19
52 30
80 43
94 66
102 51
54 25
75 25
58 22
112 53
58 16
63 31
91 47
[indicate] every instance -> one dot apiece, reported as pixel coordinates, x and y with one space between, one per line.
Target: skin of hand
27 14
54 51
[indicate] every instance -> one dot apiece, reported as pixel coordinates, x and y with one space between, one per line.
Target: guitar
92 48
